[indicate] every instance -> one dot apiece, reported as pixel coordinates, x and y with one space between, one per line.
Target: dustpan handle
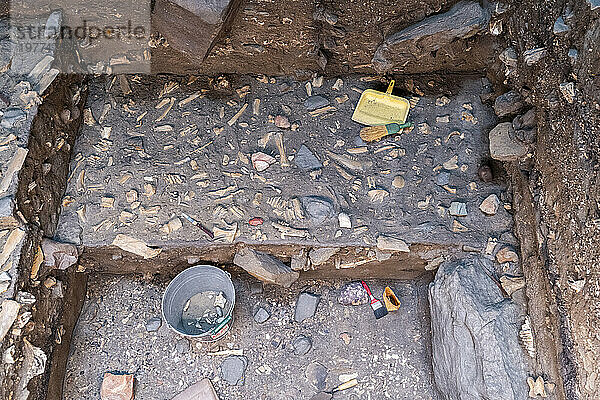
390 87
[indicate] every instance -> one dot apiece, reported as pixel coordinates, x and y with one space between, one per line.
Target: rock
281 121
192 26
7 219
573 55
507 254
443 178
117 387
318 209
261 315
509 57
346 338
314 102
465 19
306 160
398 182
300 261
265 267
534 55
153 324
568 91
316 375
594 4
262 161
5 281
233 369
388 243
525 121
502 145
9 309
344 221
476 353
12 116
485 173
512 283
322 396
560 26
321 255
256 288
202 390
301 345
490 205
306 306
458 209
182 346
508 103
353 294
59 255
173 225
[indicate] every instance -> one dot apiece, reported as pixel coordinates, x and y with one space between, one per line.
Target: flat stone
398 182
233 369
306 306
318 209
525 121
7 219
344 221
508 103
321 255
59 255
502 145
475 343
12 116
302 345
314 102
490 205
353 294
117 387
507 254
532 56
306 160
458 209
316 375
463 20
265 267
322 396
388 243
261 315
560 26
443 178
9 309
153 324
202 390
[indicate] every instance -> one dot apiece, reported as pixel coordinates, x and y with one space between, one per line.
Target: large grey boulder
476 353
462 21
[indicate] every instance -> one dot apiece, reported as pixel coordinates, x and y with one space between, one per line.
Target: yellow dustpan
378 108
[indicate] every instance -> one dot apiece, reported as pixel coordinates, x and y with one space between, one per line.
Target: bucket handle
390 87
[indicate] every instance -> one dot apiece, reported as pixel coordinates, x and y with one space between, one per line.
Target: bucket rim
162 303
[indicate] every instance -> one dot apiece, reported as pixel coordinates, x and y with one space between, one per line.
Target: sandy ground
391 356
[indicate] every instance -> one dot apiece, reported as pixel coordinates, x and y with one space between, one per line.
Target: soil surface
138 168
391 356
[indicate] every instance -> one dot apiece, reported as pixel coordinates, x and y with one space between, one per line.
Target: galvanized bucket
190 282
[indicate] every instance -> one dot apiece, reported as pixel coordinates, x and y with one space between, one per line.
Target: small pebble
302 345
153 324
261 315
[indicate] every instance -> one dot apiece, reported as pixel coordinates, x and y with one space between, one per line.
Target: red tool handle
366 288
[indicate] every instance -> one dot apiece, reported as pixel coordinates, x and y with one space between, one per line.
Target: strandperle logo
86 30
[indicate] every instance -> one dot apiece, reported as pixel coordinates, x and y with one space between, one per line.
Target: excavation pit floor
154 149
391 356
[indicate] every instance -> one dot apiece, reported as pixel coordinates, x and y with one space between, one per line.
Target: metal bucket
190 282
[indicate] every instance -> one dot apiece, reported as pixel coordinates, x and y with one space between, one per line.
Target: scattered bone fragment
256 107
526 337
398 182
189 99
536 387
173 225
512 283
378 195
349 163
237 115
226 233
451 164
490 205
13 167
107 202
171 101
283 160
